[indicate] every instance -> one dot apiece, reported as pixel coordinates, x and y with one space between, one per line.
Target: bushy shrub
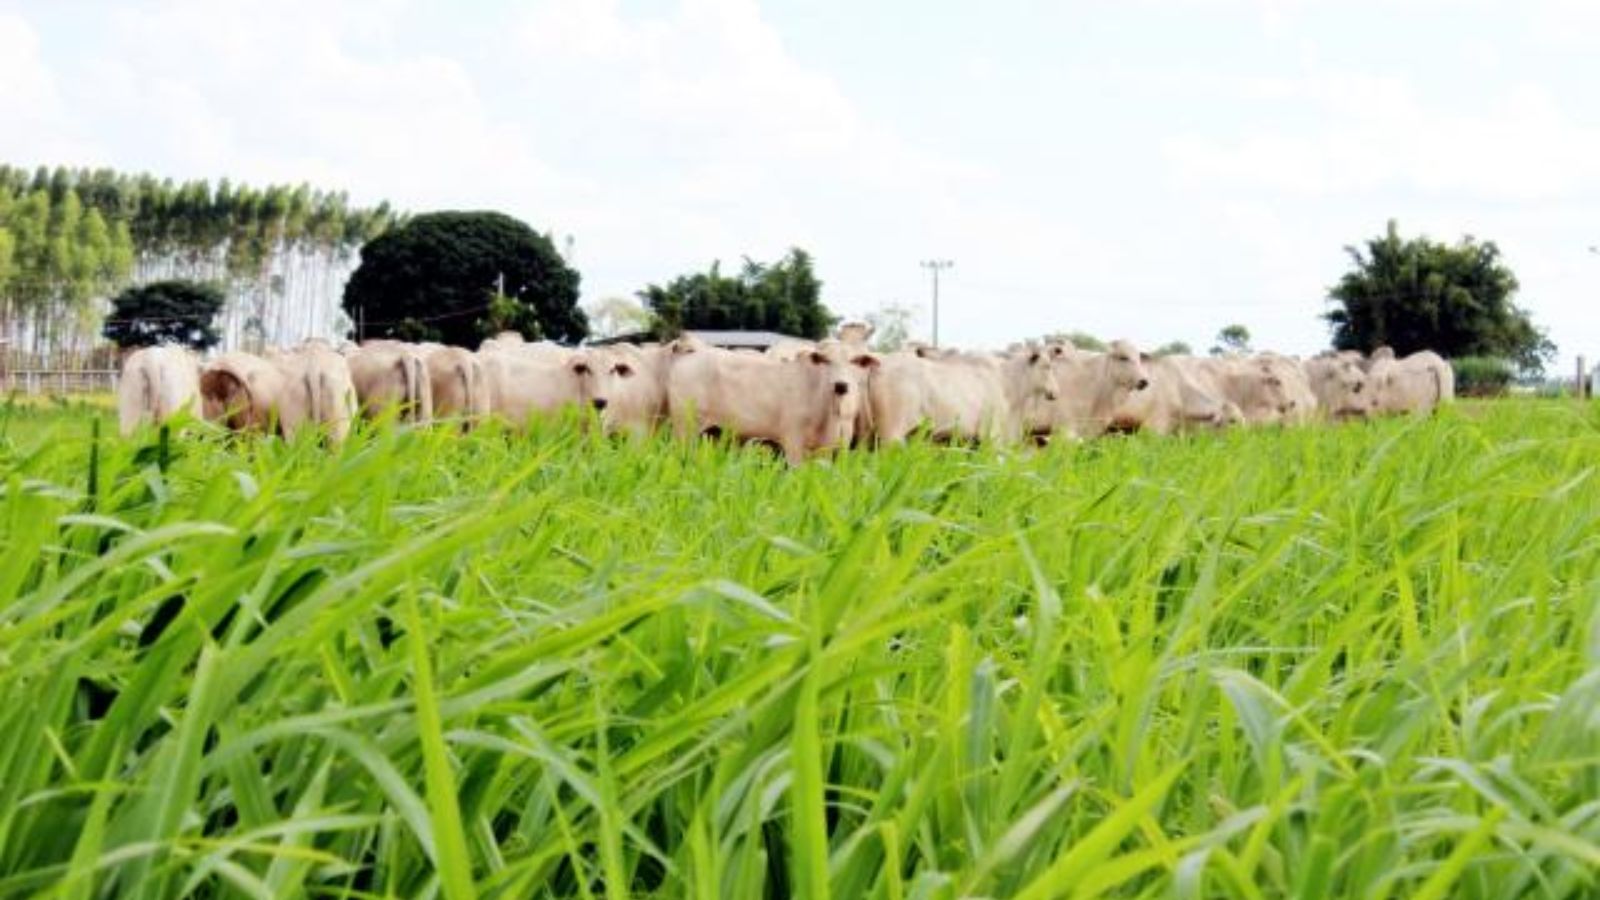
1482 376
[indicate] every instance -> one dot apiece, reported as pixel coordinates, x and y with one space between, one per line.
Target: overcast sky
1152 169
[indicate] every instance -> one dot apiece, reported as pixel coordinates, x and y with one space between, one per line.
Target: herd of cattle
805 397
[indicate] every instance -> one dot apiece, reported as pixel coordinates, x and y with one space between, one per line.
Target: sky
1149 169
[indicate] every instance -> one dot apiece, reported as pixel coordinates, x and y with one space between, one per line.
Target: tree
891 326
1173 348
437 278
1417 294
1080 339
1232 340
166 312
785 297
614 316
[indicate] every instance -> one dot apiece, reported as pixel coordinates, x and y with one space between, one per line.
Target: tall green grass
1339 662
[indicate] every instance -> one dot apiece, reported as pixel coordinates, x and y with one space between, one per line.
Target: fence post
1582 384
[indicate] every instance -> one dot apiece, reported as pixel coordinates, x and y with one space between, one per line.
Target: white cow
1098 391
460 387
959 397
1340 385
625 384
391 375
1419 383
804 405
316 391
156 384
242 391
523 385
1256 391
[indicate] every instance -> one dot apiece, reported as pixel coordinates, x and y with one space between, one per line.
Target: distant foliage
1416 294
616 316
458 277
1174 348
1482 376
785 297
1080 339
166 312
1232 340
891 326
69 238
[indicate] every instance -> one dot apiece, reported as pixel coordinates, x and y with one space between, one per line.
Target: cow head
1040 381
1125 367
1346 388
836 379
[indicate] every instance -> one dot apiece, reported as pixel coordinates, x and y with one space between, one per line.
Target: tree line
284 259
70 238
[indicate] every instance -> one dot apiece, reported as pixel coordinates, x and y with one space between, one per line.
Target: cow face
604 378
1125 367
835 377
1271 395
1040 381
1347 389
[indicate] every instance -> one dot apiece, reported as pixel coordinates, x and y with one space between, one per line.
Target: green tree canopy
1232 339
165 312
458 277
785 297
1174 348
1417 294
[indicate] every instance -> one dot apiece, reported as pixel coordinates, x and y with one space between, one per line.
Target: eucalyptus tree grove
70 238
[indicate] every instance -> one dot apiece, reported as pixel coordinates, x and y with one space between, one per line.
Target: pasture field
1360 661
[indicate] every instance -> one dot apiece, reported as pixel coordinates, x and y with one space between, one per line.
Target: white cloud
1372 133
38 127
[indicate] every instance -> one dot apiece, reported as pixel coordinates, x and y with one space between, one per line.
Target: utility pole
500 285
936 266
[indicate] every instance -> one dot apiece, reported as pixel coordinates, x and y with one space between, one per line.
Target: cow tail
150 395
313 396
408 391
414 397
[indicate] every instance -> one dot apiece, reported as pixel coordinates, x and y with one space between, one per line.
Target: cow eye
581 368
623 369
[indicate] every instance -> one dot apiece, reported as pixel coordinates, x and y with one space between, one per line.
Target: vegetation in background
166 312
617 316
459 277
69 238
891 326
1482 376
1416 294
1232 340
785 297
1337 662
1173 348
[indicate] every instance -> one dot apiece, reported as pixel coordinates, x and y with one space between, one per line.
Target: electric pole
936 266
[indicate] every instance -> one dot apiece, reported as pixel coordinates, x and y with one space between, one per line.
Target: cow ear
866 361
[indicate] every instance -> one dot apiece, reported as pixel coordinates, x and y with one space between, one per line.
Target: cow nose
599 402
1142 384
841 387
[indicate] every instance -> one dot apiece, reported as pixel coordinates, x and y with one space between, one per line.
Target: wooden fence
58 382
